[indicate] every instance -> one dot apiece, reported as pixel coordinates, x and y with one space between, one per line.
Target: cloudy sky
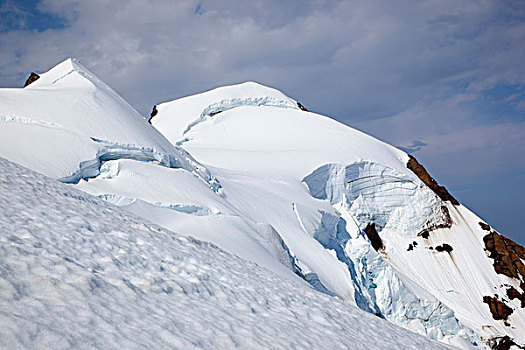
442 79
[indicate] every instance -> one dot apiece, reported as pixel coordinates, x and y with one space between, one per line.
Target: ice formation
311 201
77 272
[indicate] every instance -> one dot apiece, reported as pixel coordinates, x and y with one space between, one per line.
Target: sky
443 80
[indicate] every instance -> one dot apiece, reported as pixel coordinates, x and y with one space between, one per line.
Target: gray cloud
448 74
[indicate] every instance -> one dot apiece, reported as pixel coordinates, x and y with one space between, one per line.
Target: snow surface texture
319 184
76 272
71 126
76 120
367 192
289 190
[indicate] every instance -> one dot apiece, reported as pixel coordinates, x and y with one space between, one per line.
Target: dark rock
373 236
513 293
424 176
498 309
503 343
444 248
484 226
153 113
303 108
508 256
414 243
32 78
410 247
425 234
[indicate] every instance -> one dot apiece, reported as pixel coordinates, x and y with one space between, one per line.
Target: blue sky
443 79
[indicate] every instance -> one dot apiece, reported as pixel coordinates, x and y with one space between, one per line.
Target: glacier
77 272
323 209
368 192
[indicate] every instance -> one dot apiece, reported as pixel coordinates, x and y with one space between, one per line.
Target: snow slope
76 272
320 184
299 194
71 126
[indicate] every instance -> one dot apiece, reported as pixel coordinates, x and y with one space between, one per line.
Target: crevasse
228 104
113 151
366 192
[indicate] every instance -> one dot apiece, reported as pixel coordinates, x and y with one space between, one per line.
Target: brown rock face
498 309
513 293
153 113
424 176
484 226
32 78
373 236
503 343
507 255
303 108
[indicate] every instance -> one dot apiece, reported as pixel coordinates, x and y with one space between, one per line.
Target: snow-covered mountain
310 200
77 272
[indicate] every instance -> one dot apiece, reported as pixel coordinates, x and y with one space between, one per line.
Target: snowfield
320 184
307 219
76 272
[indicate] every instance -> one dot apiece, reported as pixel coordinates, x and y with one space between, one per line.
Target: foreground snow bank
78 272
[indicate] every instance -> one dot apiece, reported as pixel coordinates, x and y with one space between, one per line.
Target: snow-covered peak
190 110
294 142
72 115
247 89
86 274
61 70
71 126
295 192
363 220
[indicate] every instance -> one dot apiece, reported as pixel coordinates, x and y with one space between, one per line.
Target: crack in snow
114 151
225 105
25 120
397 205
190 209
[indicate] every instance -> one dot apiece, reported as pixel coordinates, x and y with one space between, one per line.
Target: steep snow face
71 126
64 112
176 199
416 248
77 272
366 193
320 184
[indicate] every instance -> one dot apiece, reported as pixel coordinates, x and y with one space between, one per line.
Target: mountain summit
321 207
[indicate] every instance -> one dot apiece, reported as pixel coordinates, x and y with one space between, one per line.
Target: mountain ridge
247 168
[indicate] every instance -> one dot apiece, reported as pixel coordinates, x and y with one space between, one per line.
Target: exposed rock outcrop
32 78
373 236
503 343
508 256
153 113
444 248
424 176
301 107
513 293
498 309
484 226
